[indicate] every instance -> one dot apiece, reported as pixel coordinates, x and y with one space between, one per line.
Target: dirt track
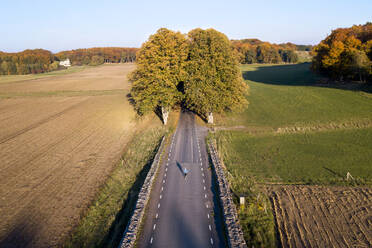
56 151
314 216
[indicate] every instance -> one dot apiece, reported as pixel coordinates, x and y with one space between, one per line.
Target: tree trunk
210 118
165 113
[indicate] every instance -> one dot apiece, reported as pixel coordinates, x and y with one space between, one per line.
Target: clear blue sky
64 24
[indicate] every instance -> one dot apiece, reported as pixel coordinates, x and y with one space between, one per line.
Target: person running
185 172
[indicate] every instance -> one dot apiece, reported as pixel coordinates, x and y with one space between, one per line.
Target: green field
294 131
287 95
301 158
308 133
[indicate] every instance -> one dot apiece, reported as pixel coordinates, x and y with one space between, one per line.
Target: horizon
68 25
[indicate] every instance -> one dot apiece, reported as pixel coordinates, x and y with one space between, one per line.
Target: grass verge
105 220
256 217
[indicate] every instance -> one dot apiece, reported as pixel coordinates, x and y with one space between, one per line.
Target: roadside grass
294 131
21 78
104 222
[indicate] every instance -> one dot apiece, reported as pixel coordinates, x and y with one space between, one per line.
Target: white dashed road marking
154 227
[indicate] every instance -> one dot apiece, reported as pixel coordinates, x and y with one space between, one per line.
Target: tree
345 53
160 73
97 60
214 82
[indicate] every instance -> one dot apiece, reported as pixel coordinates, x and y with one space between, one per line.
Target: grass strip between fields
105 220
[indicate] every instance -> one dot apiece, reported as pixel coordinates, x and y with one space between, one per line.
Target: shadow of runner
180 168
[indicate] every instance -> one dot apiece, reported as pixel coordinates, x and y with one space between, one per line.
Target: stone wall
132 230
235 236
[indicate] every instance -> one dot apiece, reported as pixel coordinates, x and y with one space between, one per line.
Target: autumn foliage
40 61
199 70
255 51
26 62
99 55
346 54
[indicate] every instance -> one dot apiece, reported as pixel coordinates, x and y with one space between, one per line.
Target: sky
65 24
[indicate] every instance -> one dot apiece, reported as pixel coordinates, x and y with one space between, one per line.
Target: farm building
65 62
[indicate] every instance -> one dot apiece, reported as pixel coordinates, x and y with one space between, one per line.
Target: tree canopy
200 71
39 60
99 55
160 70
346 54
26 62
255 51
214 82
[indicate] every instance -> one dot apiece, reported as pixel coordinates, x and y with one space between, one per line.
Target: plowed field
314 216
55 151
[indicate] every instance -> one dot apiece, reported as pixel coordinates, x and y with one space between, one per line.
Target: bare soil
105 77
315 216
57 151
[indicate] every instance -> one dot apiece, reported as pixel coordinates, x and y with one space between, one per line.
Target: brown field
107 77
56 151
315 216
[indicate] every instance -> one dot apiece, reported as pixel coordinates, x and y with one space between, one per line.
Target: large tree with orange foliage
346 54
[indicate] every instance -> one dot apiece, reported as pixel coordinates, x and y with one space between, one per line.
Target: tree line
40 60
199 70
99 55
346 54
255 51
26 62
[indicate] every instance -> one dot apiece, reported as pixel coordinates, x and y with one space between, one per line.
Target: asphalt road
183 211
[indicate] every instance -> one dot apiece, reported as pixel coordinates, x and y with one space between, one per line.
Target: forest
99 55
345 54
251 51
28 61
40 60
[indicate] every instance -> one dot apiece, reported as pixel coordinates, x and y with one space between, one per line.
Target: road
183 211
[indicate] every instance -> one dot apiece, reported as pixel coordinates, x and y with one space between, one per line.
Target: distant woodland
40 61
255 51
346 54
99 55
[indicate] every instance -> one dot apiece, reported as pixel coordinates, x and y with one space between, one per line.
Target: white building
65 63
